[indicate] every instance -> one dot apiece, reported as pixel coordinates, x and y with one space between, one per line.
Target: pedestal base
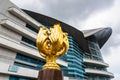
50 74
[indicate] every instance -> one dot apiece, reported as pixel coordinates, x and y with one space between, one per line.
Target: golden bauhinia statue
51 44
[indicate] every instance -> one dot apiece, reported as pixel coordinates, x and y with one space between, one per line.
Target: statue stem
51 63
51 59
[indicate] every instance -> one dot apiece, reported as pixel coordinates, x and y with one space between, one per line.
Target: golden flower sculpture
51 44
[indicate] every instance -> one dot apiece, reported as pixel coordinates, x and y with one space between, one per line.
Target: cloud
110 51
105 18
113 60
70 9
117 76
65 10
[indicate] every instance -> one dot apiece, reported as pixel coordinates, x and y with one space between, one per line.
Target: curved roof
76 34
101 34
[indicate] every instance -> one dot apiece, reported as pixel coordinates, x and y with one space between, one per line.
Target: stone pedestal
50 74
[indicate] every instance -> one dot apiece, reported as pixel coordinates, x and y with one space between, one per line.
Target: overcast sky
85 14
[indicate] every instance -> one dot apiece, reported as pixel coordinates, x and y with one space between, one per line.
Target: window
19 78
75 60
25 66
93 51
31 28
28 41
38 63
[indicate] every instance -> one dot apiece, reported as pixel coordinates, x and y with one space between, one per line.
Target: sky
85 14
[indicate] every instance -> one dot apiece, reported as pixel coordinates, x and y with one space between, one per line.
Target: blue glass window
28 41
19 78
74 57
38 63
32 28
13 68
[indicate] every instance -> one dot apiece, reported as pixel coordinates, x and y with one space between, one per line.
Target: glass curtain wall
94 54
74 57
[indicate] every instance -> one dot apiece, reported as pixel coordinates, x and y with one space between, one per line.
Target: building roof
102 34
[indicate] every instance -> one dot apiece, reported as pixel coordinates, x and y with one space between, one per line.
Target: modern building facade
20 59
